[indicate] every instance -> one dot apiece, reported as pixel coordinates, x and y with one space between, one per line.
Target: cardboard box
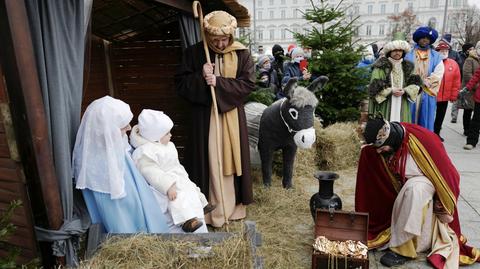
340 226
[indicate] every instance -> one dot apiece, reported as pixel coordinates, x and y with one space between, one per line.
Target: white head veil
98 157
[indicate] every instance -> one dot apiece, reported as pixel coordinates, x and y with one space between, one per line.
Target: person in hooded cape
409 186
233 76
393 85
116 195
429 66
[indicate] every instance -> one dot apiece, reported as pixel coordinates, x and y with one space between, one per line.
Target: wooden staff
197 13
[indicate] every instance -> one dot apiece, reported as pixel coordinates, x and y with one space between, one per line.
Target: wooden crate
340 226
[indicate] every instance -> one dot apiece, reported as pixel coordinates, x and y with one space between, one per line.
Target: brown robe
230 93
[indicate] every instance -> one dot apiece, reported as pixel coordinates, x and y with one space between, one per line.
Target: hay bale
338 146
148 251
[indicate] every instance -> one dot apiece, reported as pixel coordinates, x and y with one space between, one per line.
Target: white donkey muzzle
304 138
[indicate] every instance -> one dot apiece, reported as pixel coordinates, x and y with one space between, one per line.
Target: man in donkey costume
286 125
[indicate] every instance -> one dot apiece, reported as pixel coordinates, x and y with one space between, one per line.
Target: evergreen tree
336 56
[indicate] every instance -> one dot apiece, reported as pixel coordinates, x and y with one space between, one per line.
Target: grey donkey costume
286 125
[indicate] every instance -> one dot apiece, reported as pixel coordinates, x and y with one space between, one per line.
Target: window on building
355 32
382 9
433 3
271 14
283 34
295 2
272 34
370 9
396 8
259 3
295 13
259 15
356 10
260 34
410 6
432 22
283 2
271 2
456 3
368 32
381 29
282 14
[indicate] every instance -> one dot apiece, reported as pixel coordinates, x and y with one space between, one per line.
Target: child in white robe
157 159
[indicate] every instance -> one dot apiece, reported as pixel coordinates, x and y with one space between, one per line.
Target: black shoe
391 258
208 208
191 225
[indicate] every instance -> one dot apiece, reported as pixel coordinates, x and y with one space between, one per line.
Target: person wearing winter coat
449 87
473 132
292 69
157 160
393 84
266 75
471 64
463 55
279 57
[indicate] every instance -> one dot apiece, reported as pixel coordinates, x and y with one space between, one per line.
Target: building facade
274 21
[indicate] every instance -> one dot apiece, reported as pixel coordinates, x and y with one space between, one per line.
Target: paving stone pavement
468 165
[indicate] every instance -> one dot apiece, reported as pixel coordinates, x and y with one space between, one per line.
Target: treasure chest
341 226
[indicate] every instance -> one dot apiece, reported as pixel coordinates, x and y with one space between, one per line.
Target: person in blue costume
429 66
115 193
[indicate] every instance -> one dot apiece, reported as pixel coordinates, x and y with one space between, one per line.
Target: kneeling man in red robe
409 186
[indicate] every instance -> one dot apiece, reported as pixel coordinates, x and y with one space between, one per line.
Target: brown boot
191 225
209 208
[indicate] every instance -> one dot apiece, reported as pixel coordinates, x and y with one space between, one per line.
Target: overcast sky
474 2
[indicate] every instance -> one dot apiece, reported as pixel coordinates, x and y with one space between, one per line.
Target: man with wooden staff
231 73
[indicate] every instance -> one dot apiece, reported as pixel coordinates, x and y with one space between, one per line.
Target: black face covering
395 138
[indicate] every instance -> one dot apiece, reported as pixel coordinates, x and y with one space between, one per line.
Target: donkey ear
291 84
317 84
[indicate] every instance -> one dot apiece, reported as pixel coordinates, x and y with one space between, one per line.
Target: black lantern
325 198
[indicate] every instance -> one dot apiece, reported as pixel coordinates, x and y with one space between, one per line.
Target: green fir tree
335 55
7 229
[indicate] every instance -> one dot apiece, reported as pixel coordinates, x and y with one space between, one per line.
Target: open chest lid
341 225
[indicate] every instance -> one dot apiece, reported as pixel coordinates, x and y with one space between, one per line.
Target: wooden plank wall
97 84
13 186
143 76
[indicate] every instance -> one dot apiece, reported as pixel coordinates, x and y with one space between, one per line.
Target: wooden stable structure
134 51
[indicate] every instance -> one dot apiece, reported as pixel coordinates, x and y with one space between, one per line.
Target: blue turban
425 31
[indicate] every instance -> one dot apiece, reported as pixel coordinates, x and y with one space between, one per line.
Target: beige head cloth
220 23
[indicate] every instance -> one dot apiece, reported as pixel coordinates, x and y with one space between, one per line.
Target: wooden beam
23 87
184 5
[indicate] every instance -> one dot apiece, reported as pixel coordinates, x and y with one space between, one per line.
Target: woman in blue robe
116 195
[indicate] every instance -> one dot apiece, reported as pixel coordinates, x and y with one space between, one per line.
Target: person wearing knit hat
294 68
462 56
472 88
266 75
429 66
157 160
393 83
279 56
449 87
471 64
416 187
232 74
